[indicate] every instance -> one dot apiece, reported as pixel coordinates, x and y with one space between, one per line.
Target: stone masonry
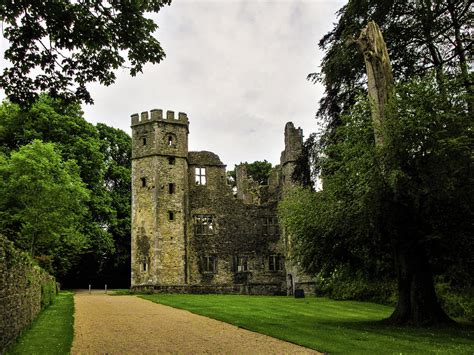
190 232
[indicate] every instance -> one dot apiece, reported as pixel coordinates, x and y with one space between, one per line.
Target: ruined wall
24 290
296 278
238 231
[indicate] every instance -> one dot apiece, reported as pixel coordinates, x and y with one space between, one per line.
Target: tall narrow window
209 264
144 264
144 140
270 226
143 180
200 176
243 263
170 140
203 224
171 188
274 263
171 215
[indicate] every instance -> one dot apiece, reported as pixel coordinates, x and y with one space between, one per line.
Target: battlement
157 115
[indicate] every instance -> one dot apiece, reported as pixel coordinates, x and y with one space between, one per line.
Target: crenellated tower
159 198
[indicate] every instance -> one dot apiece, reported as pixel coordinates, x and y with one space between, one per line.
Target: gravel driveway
129 325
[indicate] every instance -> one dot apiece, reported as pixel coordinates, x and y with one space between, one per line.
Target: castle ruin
190 232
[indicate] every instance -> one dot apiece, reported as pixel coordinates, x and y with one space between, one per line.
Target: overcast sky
237 68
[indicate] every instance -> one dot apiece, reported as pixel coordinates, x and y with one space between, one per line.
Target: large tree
420 35
103 156
43 204
60 46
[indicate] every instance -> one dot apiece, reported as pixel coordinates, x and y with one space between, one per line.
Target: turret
159 197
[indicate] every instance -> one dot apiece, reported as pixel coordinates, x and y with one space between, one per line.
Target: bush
341 284
457 302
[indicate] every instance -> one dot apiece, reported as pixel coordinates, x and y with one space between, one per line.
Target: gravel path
127 324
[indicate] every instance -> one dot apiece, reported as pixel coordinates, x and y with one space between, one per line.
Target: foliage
322 324
344 284
420 35
103 156
416 190
42 201
258 171
59 47
52 332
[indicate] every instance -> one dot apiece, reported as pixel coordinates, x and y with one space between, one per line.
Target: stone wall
25 289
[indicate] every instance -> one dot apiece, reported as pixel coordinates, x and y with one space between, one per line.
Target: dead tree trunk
417 301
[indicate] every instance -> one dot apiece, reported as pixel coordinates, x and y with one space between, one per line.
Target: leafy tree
116 146
258 171
43 204
60 46
103 156
420 35
406 203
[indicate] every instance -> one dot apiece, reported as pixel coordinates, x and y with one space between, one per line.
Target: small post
89 289
105 288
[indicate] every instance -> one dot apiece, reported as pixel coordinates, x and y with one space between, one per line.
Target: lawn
323 324
52 332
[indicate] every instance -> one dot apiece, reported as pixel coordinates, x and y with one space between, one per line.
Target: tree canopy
102 155
60 46
43 204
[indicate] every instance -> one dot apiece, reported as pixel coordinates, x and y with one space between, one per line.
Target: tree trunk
379 74
417 301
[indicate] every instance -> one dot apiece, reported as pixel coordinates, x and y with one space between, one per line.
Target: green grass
52 332
323 324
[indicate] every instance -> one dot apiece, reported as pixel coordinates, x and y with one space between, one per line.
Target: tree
103 156
116 146
43 204
60 46
258 171
420 35
407 203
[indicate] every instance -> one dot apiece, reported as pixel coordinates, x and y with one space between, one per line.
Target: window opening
143 179
171 215
144 264
171 160
209 264
170 140
242 263
270 226
144 140
171 188
203 224
274 263
200 176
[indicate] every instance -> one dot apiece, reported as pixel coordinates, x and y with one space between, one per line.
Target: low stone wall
249 289
25 289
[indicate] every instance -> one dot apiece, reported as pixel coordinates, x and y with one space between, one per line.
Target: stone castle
191 232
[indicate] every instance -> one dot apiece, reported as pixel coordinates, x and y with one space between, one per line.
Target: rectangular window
203 224
144 140
144 264
209 264
171 215
242 263
274 263
270 226
143 180
171 160
171 188
200 176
